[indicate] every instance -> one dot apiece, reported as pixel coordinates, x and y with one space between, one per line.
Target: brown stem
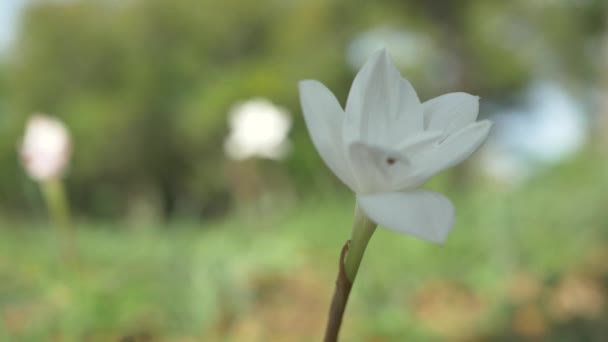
339 301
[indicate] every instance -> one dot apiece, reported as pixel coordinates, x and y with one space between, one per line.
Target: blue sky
9 15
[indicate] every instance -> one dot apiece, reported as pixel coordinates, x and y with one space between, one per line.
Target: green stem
363 229
59 212
56 202
350 260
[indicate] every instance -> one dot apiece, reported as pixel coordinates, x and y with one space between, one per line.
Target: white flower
46 147
258 128
386 144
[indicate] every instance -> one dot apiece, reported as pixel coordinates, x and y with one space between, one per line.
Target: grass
521 264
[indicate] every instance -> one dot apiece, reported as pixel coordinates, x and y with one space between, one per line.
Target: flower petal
457 147
416 150
324 116
422 213
450 112
382 107
421 142
377 169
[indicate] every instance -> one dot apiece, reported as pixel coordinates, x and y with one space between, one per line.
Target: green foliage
270 279
146 85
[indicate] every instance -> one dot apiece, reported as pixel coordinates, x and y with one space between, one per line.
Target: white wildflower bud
258 129
46 147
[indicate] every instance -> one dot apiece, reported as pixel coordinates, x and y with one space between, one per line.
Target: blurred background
202 211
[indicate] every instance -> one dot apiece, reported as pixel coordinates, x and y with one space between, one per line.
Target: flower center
390 161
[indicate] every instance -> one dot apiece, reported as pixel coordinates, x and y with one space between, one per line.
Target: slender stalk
59 212
363 229
350 260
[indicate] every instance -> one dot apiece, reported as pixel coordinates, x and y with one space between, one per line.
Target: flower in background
258 129
385 144
46 147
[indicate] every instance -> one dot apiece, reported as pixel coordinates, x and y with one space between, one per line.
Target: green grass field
520 265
